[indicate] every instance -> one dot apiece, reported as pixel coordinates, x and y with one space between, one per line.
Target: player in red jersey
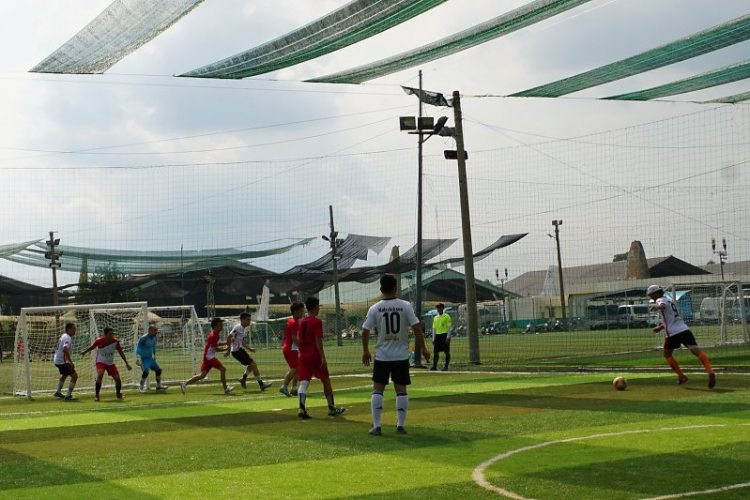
105 361
290 349
312 359
209 358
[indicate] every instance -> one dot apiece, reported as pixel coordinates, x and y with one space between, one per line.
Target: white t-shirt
238 334
106 351
391 319
670 318
65 341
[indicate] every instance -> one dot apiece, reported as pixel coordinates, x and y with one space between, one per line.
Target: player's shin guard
60 385
706 363
402 405
303 393
376 404
675 366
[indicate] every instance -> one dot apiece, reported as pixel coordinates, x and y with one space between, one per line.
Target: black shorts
442 344
398 371
242 356
65 369
685 338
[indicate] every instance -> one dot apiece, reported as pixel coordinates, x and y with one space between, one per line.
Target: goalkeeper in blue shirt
145 351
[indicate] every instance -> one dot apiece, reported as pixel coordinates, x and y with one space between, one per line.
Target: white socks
376 404
402 405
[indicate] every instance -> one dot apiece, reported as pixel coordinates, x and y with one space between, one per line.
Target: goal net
178 348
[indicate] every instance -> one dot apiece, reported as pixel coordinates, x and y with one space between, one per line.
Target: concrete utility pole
471 289
557 224
53 256
333 239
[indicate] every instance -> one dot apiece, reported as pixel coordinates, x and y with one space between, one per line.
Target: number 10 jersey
391 319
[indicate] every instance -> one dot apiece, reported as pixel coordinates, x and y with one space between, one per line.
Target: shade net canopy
514 20
732 99
123 27
715 38
80 259
352 23
721 76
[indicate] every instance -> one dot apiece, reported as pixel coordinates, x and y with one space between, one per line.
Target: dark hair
388 283
296 306
215 321
311 302
243 316
108 330
68 326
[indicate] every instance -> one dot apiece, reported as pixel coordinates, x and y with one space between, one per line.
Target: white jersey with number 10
391 319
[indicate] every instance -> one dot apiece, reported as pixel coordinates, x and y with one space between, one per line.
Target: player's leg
401 378
60 384
447 351
254 367
72 384
325 378
145 367
681 378
435 355
223 373
305 375
157 374
195 378
292 361
380 379
706 363
118 385
99 377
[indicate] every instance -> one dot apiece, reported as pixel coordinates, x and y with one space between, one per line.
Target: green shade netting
744 96
352 23
12 249
123 27
522 17
715 38
727 74
142 262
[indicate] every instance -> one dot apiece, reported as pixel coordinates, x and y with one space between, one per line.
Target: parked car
633 316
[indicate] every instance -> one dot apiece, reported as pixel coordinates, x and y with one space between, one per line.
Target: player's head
109 332
70 329
217 325
152 330
312 304
297 308
440 307
654 292
245 319
388 284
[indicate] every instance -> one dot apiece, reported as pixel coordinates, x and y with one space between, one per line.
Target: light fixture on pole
722 253
335 242
53 256
557 224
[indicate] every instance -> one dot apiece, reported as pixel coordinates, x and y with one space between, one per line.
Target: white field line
223 400
478 473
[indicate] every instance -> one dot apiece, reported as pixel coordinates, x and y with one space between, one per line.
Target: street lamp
557 224
502 287
335 242
721 253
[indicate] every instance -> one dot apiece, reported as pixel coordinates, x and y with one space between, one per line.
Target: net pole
27 360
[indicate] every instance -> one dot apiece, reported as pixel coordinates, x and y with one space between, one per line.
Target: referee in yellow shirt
441 337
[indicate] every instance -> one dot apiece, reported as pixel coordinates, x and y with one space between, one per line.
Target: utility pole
471 290
557 224
52 256
418 301
721 253
210 300
335 242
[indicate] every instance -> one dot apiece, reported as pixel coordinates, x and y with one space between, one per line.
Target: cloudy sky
137 159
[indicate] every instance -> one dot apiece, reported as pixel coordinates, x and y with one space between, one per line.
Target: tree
107 285
620 257
710 262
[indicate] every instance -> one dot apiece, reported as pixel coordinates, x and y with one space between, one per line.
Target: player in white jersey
236 339
391 319
106 347
64 362
676 333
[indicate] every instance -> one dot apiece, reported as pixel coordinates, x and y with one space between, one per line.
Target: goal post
40 328
180 343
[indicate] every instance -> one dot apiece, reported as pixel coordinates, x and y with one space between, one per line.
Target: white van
633 316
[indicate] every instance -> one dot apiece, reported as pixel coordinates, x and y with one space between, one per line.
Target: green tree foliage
107 286
620 257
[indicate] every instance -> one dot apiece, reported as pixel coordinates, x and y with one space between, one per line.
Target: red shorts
309 367
211 363
110 369
291 357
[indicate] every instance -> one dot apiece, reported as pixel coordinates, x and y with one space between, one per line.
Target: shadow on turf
44 474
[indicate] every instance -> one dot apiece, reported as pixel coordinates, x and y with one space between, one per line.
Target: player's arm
419 337
448 331
366 356
319 345
88 349
657 306
230 339
66 356
122 355
138 350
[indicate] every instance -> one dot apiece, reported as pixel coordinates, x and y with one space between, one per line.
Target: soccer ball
620 383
